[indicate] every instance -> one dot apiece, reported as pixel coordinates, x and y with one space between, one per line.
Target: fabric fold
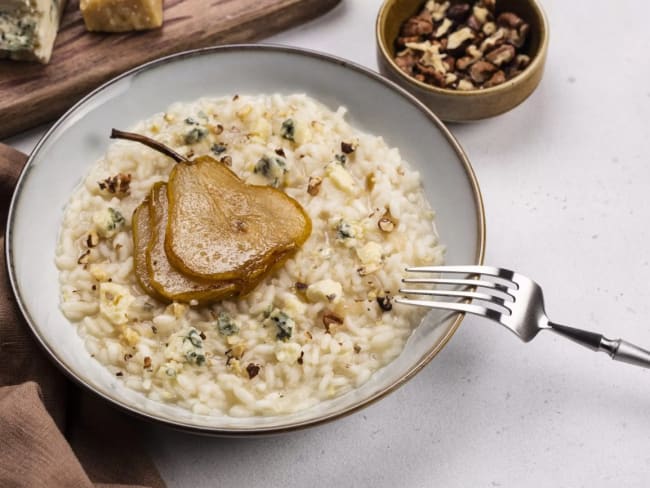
52 433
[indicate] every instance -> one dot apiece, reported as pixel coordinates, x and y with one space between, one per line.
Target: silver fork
512 300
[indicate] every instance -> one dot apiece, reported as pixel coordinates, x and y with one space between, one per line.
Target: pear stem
152 143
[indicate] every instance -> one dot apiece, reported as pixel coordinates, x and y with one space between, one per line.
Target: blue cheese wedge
121 15
28 28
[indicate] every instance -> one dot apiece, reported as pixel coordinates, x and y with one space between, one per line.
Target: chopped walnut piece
385 303
252 370
93 239
501 55
489 28
450 78
474 23
437 9
437 77
509 19
406 62
84 258
463 63
416 26
348 147
458 12
522 61
443 28
465 85
215 129
386 224
481 71
450 63
313 187
481 14
460 38
517 37
495 40
331 319
402 41
496 79
118 184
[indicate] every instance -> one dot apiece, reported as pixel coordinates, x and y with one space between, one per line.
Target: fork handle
617 349
627 352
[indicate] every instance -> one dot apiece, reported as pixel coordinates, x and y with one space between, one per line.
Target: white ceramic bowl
64 155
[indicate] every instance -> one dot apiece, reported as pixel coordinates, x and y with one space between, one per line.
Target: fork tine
454 307
455 281
451 293
484 270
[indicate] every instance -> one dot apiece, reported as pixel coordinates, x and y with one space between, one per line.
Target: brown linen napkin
52 433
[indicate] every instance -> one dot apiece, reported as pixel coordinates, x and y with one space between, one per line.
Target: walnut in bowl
467 60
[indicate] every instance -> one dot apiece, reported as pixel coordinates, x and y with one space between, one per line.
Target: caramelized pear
166 280
207 235
141 236
221 228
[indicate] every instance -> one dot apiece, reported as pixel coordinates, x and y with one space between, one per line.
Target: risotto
313 329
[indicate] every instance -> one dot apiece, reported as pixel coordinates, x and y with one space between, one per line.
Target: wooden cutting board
31 94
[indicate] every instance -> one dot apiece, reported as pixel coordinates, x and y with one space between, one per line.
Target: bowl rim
537 62
237 431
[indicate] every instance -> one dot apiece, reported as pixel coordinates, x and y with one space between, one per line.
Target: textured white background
565 179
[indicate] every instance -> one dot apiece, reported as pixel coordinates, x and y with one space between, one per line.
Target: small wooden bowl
456 105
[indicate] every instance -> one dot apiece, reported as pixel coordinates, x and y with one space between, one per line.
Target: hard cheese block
28 28
121 15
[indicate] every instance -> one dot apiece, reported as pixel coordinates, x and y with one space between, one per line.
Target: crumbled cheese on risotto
108 222
325 291
287 352
114 302
341 178
371 256
186 345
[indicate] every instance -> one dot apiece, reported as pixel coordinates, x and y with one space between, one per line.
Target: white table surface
565 181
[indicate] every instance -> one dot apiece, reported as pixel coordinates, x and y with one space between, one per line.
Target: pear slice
166 280
221 228
141 228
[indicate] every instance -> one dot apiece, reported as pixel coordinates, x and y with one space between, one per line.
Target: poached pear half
141 228
164 278
206 235
220 228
